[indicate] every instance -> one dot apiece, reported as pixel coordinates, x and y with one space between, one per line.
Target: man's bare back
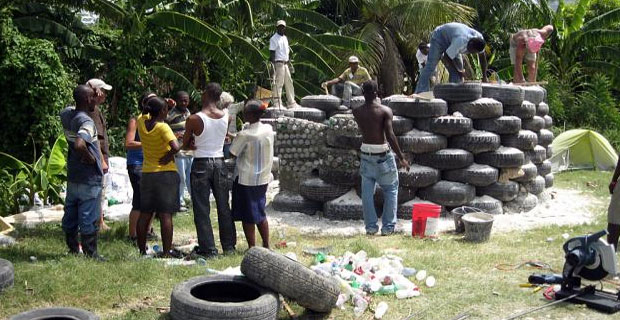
371 120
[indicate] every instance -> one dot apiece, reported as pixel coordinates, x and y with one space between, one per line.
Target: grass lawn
129 287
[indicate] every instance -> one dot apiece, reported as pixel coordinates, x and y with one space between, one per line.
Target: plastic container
458 214
477 226
381 309
425 220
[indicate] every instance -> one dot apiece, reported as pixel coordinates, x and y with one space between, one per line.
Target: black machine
589 257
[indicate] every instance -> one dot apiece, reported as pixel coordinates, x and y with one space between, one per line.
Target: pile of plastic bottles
361 277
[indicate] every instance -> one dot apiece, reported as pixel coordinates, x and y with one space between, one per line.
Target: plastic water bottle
342 299
407 293
408 272
360 305
380 310
156 248
387 290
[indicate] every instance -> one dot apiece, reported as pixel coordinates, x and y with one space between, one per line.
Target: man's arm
190 128
614 178
331 82
391 138
482 56
458 65
82 149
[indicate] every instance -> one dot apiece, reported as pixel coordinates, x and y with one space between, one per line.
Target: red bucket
425 219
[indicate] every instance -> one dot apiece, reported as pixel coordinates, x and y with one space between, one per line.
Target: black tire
291 202
487 204
534 124
476 141
337 140
7 274
416 108
310 114
417 141
545 137
340 110
291 279
423 124
536 186
448 193
316 189
476 175
549 151
530 172
357 102
525 110
401 125
418 176
544 168
386 101
503 157
549 180
542 109
503 191
548 122
340 177
458 92
501 125
222 297
533 94
290 180
536 155
404 195
327 103
524 202
56 313
483 108
274 113
405 210
524 140
445 159
506 94
451 126
346 207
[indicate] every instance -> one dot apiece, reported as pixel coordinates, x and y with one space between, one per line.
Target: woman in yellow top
160 179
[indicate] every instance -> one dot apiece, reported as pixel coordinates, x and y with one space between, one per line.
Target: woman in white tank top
210 142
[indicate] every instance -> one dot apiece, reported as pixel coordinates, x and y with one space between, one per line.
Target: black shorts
135 173
159 192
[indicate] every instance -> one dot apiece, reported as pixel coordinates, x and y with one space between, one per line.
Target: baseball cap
98 84
353 59
281 23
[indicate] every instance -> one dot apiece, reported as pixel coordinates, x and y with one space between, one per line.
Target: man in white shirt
422 55
279 56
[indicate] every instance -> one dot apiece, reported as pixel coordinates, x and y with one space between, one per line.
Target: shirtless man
524 45
378 165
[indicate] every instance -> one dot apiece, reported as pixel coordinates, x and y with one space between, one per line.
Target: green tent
582 149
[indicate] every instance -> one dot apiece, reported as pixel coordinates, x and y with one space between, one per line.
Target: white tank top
210 143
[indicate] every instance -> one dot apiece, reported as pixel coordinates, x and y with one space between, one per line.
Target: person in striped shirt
253 148
183 160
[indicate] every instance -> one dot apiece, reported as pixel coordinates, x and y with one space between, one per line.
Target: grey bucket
458 213
477 226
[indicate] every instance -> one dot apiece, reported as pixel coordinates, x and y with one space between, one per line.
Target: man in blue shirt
84 174
448 43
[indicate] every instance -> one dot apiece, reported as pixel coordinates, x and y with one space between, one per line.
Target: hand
171 103
404 164
166 158
324 85
98 92
612 186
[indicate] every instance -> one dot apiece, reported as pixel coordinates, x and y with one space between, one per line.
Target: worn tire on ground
503 191
536 155
544 168
451 126
525 110
316 189
214 297
503 157
530 171
476 175
291 279
311 114
534 124
501 125
417 141
458 92
7 274
483 108
533 94
346 207
542 109
339 177
327 103
487 204
524 202
448 193
290 202
506 94
56 313
476 141
445 159
548 122
418 176
549 180
545 137
274 113
524 140
416 108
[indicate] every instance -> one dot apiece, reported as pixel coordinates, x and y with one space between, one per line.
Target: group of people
168 148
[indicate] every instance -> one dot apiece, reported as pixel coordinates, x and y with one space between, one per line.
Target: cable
532 264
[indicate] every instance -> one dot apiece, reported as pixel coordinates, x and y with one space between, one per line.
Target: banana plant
44 177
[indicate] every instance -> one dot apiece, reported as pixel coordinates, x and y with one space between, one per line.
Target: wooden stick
290 311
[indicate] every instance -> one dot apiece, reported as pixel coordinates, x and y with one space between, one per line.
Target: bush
35 87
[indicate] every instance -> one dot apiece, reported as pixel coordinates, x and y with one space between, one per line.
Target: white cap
353 59
281 23
98 84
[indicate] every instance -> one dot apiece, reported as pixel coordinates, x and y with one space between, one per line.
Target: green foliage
35 87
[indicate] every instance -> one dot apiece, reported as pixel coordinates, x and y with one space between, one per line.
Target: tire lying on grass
482 108
476 141
7 274
222 297
525 110
416 108
291 202
451 126
500 125
506 94
316 189
524 202
417 141
57 313
327 103
290 278
503 191
476 175
458 92
503 157
445 159
487 204
448 193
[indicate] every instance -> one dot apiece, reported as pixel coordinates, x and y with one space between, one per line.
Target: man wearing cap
352 77
100 88
524 45
279 56
448 43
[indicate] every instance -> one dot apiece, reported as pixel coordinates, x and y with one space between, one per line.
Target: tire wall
330 150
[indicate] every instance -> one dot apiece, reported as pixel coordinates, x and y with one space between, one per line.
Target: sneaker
387 232
230 252
371 232
196 253
174 254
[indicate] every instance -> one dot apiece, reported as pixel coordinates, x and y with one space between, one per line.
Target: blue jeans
435 54
184 167
82 208
379 170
